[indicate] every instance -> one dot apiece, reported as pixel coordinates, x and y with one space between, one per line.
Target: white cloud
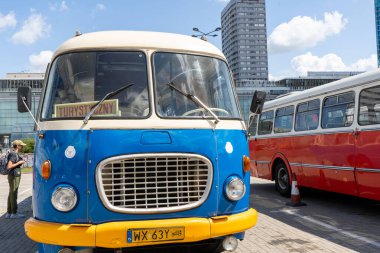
56 6
223 1
8 20
38 62
33 28
100 7
305 32
330 62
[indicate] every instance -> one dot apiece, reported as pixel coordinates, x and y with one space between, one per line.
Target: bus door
338 144
367 136
144 173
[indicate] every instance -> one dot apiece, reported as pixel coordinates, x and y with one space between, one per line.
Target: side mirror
24 94
257 102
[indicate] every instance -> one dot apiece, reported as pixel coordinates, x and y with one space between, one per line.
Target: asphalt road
329 223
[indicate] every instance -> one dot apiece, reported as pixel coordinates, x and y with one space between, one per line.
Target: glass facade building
377 20
15 125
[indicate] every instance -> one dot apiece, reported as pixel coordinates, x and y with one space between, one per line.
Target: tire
282 179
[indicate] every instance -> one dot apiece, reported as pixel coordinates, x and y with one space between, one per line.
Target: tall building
15 125
377 18
244 39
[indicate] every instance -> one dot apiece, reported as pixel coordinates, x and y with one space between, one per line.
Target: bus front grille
154 183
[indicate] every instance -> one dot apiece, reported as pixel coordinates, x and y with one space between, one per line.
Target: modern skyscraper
244 40
377 16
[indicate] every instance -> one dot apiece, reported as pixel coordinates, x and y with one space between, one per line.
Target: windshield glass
204 77
78 80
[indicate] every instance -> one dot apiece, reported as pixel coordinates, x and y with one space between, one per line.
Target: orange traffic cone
295 194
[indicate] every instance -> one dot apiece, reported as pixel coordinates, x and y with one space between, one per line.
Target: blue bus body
109 180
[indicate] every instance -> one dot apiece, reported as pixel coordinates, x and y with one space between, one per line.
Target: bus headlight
64 198
235 189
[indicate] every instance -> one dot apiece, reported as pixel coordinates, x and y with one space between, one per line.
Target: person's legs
14 183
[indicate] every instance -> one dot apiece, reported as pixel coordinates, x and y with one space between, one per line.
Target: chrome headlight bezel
234 189
61 192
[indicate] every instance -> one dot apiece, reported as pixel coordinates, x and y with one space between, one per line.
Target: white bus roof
123 40
342 84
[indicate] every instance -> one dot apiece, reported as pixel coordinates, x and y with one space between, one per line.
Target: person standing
14 178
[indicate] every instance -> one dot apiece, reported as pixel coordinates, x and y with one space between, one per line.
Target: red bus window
338 110
307 116
266 123
369 106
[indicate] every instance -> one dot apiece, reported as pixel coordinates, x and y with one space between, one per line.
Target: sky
312 35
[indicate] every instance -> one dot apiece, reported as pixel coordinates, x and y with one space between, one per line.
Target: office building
15 125
244 39
377 25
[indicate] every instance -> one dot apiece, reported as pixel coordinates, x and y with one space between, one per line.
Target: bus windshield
206 78
77 81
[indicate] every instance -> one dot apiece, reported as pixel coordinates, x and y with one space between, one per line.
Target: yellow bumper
114 234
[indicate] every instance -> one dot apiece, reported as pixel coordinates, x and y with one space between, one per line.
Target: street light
203 35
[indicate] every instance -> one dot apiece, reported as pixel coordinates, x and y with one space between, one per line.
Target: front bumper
114 234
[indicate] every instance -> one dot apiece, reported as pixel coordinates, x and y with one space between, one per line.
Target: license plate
155 234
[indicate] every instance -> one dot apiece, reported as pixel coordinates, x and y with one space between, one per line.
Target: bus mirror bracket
257 104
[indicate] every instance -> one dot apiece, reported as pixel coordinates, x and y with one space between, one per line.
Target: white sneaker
17 215
7 216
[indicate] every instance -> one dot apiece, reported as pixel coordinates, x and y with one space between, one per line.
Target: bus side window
283 122
266 123
338 110
307 115
369 106
253 127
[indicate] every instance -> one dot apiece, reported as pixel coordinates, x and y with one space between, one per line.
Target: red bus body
338 159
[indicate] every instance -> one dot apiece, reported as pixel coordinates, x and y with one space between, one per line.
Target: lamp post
203 35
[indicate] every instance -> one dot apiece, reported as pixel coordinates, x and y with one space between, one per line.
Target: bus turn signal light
246 163
46 169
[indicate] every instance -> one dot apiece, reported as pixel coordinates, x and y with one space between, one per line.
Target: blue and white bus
140 142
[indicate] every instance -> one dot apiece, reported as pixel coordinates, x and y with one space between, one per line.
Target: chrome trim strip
262 162
108 205
368 170
325 167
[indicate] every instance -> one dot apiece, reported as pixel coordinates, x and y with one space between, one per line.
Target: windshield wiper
107 96
196 100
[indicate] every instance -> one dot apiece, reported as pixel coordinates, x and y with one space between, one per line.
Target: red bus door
367 170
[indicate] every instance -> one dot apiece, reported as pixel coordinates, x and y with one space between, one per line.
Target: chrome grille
151 183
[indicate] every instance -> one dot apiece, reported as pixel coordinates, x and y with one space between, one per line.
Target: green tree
29 148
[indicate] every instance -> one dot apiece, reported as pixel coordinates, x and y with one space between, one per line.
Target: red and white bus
329 136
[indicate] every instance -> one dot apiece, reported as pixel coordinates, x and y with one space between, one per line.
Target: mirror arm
31 114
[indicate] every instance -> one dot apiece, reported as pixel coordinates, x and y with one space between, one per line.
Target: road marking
24 191
338 230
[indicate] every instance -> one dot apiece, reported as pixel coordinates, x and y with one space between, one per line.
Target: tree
29 147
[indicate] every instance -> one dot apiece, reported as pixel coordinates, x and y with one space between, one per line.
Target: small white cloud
305 32
63 6
38 62
58 6
330 62
366 64
8 20
33 28
223 1
100 7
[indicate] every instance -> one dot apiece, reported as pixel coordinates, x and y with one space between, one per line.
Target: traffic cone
295 194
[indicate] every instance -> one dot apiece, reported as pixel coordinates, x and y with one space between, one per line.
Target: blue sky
302 35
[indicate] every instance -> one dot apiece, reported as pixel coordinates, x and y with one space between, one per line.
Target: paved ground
329 223
12 235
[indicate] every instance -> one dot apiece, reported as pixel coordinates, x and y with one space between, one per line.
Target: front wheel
282 180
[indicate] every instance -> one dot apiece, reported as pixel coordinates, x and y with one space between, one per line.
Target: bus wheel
282 180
